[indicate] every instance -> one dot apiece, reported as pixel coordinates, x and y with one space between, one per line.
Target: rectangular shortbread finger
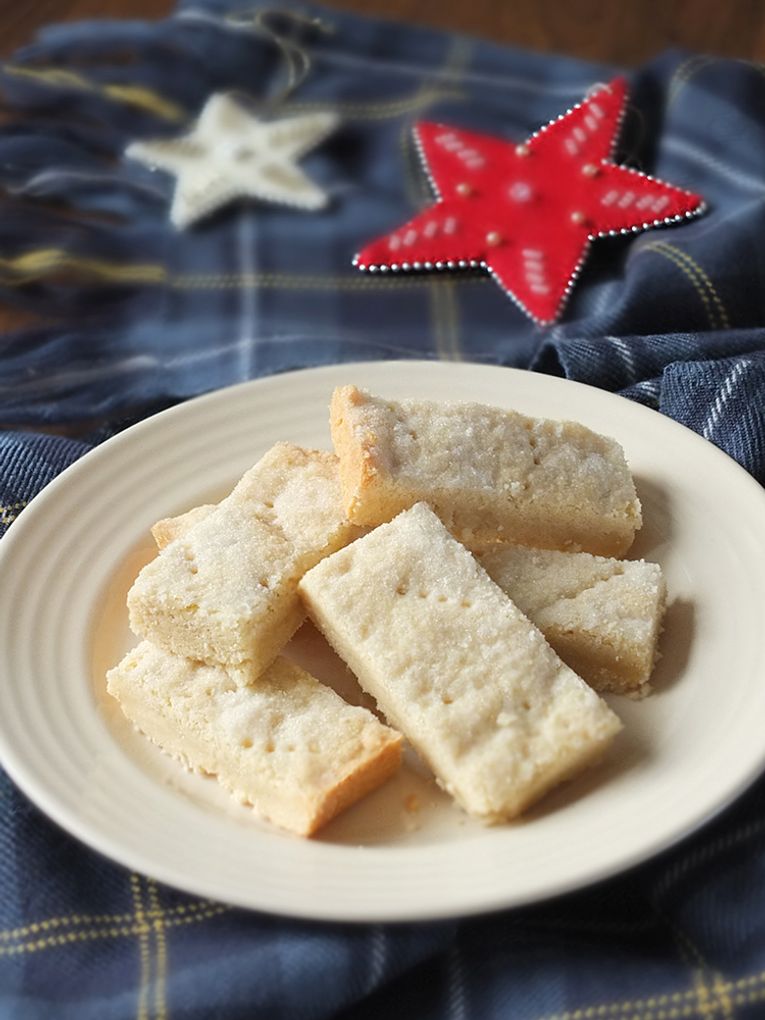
602 616
490 475
286 744
225 590
169 528
456 666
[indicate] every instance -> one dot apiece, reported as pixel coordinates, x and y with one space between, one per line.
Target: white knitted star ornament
230 154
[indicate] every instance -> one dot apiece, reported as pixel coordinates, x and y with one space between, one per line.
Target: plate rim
90 834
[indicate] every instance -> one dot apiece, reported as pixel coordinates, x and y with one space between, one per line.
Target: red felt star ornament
528 212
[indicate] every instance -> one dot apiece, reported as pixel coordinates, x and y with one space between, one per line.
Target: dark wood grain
616 31
20 19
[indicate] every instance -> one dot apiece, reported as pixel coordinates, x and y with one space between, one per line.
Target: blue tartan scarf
135 316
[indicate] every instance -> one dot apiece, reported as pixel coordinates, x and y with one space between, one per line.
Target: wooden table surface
618 31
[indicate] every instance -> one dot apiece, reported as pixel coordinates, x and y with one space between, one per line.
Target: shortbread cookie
490 475
169 528
287 744
602 616
456 666
225 591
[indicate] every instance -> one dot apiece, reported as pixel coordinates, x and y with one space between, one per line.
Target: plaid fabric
136 317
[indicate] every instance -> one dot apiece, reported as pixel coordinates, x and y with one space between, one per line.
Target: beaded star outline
528 212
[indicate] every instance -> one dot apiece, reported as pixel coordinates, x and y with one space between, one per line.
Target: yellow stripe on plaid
36 264
682 1005
175 915
722 997
445 319
158 925
706 1004
688 272
142 930
114 931
684 73
726 994
294 281
702 274
420 100
674 1005
417 188
705 1007
131 95
203 915
69 937
41 934
8 515
708 851
712 1002
694 65
443 315
39 262
709 1002
167 109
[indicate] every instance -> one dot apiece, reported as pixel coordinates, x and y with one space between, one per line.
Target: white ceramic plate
68 561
